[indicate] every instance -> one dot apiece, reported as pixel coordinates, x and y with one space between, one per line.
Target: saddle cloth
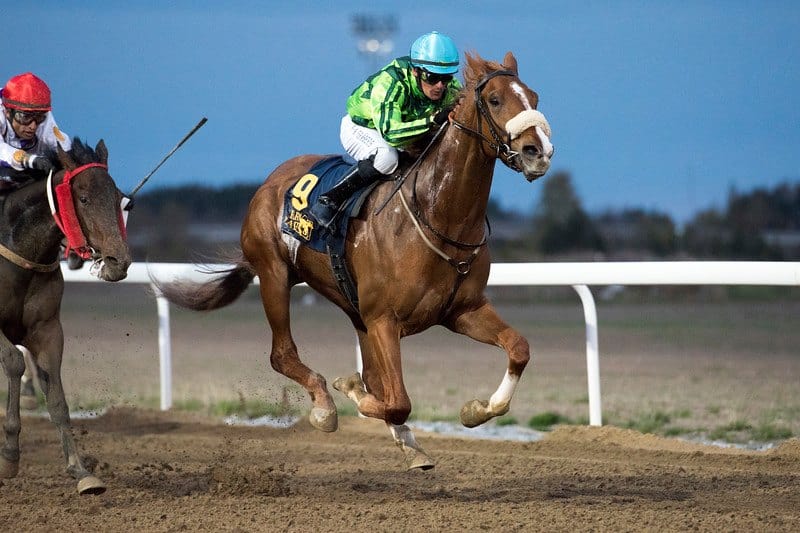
305 191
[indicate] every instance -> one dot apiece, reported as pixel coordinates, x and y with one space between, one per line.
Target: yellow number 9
302 189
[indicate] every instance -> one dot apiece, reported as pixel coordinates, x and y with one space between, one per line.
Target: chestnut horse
419 262
81 202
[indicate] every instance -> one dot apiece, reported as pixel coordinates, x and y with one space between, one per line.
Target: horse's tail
214 294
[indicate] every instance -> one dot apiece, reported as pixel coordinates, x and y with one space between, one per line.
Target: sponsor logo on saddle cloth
302 195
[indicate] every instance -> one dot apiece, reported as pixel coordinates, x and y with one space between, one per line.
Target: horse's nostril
531 150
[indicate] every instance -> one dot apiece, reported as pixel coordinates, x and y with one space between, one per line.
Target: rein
416 215
24 263
502 150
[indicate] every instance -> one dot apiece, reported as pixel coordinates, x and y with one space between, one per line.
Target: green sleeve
389 96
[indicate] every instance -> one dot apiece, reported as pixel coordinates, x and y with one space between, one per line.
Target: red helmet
26 92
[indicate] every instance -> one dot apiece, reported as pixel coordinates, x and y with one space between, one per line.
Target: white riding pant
361 143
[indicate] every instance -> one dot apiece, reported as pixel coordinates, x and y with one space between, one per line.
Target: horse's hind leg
14 366
484 325
285 359
47 346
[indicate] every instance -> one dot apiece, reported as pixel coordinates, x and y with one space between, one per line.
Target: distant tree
202 203
559 222
637 230
707 235
743 229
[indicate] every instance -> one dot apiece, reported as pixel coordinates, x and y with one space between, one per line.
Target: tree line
182 223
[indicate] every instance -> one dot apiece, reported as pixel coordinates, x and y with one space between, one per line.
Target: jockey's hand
442 116
38 162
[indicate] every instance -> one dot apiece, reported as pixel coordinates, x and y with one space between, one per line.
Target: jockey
389 111
28 130
29 133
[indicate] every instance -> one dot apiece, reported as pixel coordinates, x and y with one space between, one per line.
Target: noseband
502 148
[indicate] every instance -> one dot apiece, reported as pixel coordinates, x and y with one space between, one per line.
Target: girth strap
340 273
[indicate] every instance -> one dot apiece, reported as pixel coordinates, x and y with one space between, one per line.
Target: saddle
298 224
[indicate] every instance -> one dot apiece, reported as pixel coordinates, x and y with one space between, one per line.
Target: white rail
577 275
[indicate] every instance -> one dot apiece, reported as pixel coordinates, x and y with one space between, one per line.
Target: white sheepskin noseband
527 119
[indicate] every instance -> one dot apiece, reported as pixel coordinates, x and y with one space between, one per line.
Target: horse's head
502 109
89 209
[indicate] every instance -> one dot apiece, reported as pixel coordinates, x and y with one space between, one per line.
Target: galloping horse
419 262
81 202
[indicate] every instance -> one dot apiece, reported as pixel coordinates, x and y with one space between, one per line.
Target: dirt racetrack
704 365
178 472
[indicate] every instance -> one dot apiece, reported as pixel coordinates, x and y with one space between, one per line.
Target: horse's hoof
324 419
419 461
91 485
28 403
349 384
8 469
340 385
475 413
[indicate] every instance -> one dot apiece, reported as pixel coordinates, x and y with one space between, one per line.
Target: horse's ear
510 62
66 160
102 151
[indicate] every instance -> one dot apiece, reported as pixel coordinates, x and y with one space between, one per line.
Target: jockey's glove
38 162
441 116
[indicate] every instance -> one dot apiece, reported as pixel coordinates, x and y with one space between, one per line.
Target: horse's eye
83 199
494 101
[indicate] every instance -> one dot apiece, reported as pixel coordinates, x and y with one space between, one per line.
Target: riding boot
328 204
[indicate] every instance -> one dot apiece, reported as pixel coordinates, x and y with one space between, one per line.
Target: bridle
502 151
64 211
65 218
501 147
62 208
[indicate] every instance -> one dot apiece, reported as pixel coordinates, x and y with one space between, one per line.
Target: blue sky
660 105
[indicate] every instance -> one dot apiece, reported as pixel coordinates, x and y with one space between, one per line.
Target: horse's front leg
370 397
14 366
483 324
47 347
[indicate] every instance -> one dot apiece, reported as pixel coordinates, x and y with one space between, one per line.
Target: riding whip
186 138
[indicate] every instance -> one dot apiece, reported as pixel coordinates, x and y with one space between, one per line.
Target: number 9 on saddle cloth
304 193
297 223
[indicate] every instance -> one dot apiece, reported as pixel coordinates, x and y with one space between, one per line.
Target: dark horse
86 202
419 262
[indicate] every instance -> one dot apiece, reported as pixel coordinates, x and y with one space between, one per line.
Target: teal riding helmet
435 52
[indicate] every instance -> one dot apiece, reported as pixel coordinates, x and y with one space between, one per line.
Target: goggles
432 78
26 117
